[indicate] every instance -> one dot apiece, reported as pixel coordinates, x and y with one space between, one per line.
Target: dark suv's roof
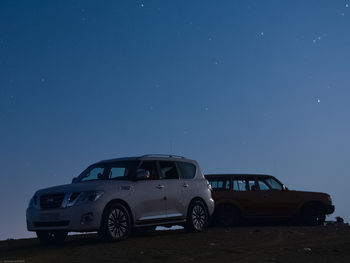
209 176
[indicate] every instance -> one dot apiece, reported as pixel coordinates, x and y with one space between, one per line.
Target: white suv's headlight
85 197
34 202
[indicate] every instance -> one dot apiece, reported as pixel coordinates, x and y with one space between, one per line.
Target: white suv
115 196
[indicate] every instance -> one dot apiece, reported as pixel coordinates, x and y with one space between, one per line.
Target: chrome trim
52 193
160 216
163 155
153 217
65 202
175 215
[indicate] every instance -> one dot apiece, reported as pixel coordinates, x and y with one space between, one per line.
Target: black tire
51 237
197 217
313 215
116 223
227 216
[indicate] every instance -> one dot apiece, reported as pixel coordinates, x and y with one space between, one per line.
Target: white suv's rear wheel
197 217
116 223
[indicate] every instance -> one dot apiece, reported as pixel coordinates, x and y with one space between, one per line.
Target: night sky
240 86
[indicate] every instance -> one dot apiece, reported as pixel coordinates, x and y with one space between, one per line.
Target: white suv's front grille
49 201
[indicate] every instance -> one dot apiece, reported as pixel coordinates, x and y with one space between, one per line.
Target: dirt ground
241 244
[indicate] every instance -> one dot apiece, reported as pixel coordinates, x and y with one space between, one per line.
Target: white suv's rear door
190 187
175 205
149 196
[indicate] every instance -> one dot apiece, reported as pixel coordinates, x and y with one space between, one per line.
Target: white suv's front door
150 200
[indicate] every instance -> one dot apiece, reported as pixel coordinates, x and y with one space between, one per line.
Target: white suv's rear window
187 170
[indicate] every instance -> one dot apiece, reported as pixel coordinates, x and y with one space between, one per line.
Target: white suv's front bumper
79 218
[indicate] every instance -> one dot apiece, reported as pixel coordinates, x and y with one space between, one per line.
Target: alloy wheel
117 223
198 217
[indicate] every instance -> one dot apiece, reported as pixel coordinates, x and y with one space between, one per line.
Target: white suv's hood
80 187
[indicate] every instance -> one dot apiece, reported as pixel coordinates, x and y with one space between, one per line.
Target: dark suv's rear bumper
330 209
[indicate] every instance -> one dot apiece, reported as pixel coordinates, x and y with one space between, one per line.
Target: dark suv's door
267 199
253 202
282 203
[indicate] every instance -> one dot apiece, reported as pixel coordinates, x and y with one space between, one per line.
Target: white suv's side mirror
142 174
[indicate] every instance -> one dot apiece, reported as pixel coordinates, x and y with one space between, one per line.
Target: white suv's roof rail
162 155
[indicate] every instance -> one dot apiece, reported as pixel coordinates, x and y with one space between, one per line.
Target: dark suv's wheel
116 223
51 237
313 215
197 217
227 216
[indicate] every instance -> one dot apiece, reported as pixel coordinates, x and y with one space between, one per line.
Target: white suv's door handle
185 185
160 186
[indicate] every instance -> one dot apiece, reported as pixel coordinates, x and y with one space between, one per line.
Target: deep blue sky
240 86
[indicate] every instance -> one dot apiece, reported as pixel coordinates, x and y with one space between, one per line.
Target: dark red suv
240 196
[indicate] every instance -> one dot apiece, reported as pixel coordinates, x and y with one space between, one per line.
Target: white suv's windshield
117 170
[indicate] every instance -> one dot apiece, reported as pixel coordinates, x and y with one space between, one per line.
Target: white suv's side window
94 174
187 170
116 172
168 170
151 166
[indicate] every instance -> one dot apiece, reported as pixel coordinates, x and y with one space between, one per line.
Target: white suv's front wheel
116 223
197 217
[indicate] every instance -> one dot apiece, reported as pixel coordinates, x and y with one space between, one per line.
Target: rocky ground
241 244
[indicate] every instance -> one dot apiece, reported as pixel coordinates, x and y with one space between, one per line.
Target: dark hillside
244 244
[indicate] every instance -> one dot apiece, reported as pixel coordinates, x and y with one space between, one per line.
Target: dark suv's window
220 184
252 186
274 184
239 185
168 170
263 186
187 170
151 166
